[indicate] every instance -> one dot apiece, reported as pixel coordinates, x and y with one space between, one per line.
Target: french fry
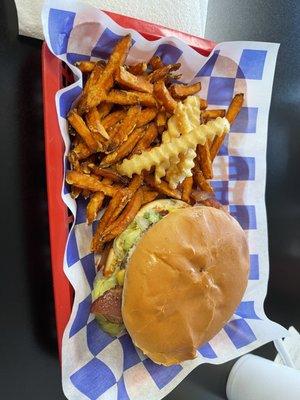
85 66
127 216
124 149
208 115
163 96
233 110
129 81
187 186
81 151
161 120
109 174
162 187
113 118
203 154
92 183
203 104
137 69
201 181
148 137
162 72
115 207
97 92
80 127
149 195
128 124
94 124
146 116
126 98
155 62
104 109
181 91
93 206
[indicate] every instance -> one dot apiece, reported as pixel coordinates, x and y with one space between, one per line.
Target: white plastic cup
255 378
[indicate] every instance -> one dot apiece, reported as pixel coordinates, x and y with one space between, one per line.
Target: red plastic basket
53 73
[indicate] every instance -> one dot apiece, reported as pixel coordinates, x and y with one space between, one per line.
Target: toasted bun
183 282
161 204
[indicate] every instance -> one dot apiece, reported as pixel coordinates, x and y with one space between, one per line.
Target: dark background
29 368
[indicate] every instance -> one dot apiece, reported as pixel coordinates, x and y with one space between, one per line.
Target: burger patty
109 305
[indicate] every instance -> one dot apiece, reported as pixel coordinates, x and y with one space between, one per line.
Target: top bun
184 281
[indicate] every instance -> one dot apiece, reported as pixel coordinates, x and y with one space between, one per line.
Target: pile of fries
123 111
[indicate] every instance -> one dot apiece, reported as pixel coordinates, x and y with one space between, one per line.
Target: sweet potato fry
149 136
208 115
146 116
109 174
162 72
155 62
85 66
127 195
127 216
149 195
203 104
187 186
81 151
205 163
137 69
104 255
115 207
75 192
124 149
93 206
94 124
162 187
92 183
104 109
129 98
235 107
163 96
161 121
97 92
233 110
128 124
93 78
129 81
113 118
181 91
79 125
201 181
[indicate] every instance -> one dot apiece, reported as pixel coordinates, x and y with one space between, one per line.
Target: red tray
53 74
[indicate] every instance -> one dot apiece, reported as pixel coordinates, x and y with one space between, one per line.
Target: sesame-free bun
183 282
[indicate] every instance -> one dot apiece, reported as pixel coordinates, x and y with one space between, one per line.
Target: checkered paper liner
95 365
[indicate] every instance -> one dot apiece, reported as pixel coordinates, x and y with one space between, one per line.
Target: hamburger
177 274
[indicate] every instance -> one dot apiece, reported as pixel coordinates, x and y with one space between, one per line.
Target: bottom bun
183 282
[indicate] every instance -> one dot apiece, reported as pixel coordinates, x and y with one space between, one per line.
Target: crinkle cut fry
161 154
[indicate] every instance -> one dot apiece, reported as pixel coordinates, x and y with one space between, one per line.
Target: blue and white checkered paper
95 365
